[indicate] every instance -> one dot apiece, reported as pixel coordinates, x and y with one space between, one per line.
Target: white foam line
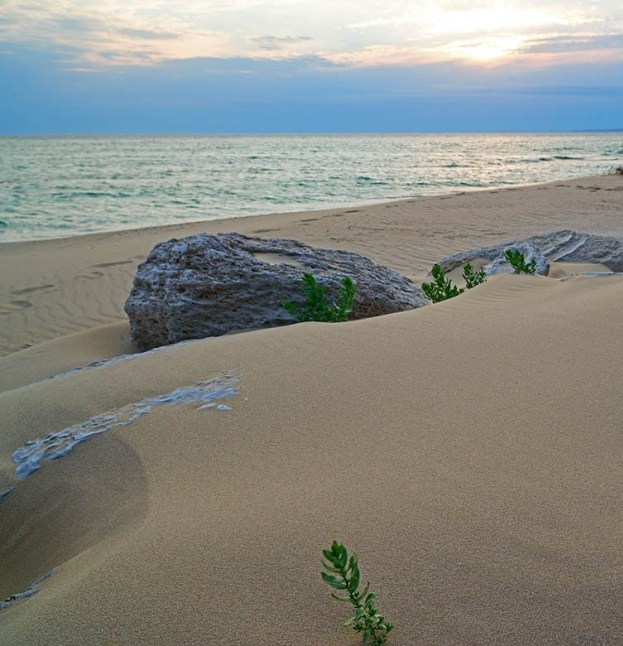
57 445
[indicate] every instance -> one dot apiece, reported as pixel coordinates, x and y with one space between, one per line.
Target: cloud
575 43
348 33
273 43
147 34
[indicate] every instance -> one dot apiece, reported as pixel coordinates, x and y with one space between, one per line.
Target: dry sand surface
470 452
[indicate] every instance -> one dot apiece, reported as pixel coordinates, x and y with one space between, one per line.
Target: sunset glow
299 48
147 31
490 49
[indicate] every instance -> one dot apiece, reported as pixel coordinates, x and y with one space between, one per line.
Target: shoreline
321 210
325 210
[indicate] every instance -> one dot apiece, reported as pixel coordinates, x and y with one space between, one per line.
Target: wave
538 160
364 179
163 180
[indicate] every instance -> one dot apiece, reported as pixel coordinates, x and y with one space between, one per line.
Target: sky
266 66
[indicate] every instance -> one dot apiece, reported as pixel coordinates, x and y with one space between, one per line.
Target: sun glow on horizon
498 17
490 50
486 34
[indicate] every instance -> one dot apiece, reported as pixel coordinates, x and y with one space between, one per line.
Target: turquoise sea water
53 187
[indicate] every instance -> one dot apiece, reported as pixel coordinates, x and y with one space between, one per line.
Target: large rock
208 285
557 246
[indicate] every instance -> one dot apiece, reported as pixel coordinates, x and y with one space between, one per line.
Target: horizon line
319 133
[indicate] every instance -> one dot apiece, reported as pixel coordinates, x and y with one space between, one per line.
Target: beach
469 451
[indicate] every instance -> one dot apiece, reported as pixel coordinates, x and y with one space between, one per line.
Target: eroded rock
209 285
530 254
557 246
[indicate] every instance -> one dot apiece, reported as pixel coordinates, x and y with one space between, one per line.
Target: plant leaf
329 568
332 581
331 557
353 584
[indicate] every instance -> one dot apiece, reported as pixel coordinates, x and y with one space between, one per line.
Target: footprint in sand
113 264
14 306
30 290
92 276
20 304
23 305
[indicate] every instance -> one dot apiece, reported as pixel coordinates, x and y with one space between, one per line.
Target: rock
209 285
557 246
501 266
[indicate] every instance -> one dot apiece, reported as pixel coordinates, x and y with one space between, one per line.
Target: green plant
473 277
317 307
343 574
517 261
442 288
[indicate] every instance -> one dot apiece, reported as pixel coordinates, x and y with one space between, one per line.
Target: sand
470 451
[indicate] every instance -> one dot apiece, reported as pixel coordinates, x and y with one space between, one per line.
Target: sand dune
469 451
54 288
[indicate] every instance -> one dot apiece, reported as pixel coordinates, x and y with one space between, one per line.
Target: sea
52 187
